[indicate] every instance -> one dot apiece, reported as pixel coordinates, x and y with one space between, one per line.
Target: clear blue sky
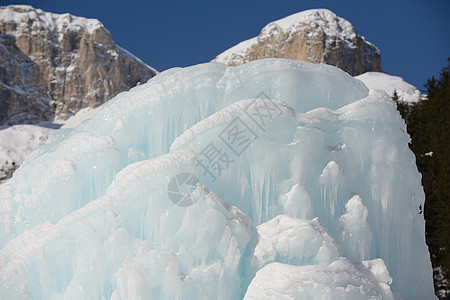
413 36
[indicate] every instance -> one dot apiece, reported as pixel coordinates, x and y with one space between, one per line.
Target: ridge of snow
129 54
389 83
237 50
326 20
322 20
56 22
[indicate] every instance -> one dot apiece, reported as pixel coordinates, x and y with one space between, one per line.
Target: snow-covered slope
316 35
388 83
16 144
237 54
278 177
18 141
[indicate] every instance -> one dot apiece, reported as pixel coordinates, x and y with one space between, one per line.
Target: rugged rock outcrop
317 36
52 65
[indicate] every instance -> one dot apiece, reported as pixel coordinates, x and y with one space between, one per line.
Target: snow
129 54
326 20
299 179
388 83
55 22
294 241
310 21
75 120
18 141
338 280
235 54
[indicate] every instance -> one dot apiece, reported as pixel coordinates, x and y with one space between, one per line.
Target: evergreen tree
429 127
402 107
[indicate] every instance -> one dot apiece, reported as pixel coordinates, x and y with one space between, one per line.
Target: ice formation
276 178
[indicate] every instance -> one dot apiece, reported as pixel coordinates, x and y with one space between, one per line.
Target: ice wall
208 180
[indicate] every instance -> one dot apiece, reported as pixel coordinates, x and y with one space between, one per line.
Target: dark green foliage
403 108
429 127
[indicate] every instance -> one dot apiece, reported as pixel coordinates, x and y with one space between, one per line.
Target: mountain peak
311 15
53 65
322 19
315 35
57 22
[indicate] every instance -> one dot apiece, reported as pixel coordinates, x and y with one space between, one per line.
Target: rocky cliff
53 65
317 36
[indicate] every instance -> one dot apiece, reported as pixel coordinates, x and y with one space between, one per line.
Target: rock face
317 36
53 65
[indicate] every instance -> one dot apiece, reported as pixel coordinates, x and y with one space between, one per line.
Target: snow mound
16 144
278 178
338 280
388 83
19 141
299 259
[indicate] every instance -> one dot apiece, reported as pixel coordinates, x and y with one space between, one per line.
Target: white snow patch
326 20
18 141
236 53
55 22
388 83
